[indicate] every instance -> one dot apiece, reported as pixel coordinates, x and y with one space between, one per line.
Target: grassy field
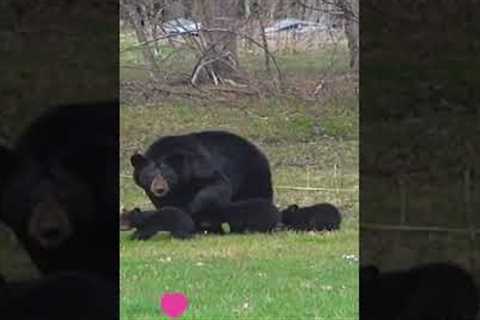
313 150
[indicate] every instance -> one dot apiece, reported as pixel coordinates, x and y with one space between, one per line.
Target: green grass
281 276
286 275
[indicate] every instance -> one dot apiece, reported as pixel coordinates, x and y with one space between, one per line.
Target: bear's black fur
148 223
7 164
430 291
254 215
62 198
323 216
62 296
202 172
84 140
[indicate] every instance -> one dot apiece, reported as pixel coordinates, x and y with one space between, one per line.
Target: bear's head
127 219
291 209
47 205
155 177
288 214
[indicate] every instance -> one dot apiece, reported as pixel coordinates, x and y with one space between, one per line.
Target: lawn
313 151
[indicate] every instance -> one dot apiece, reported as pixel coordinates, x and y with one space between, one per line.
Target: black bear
253 215
202 172
61 200
430 291
8 162
148 223
323 216
61 296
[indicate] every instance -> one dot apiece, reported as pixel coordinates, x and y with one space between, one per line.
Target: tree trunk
220 59
265 48
350 17
247 8
136 20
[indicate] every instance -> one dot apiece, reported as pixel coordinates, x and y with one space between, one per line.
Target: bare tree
137 15
350 10
219 18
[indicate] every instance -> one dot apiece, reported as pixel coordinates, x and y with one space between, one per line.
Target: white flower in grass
167 259
350 258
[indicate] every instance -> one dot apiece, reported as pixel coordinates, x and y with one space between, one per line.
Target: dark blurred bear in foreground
61 200
430 291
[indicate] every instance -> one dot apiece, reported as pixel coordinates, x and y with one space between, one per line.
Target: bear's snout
159 186
49 224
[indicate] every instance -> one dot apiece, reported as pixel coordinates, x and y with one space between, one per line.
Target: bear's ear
138 160
292 208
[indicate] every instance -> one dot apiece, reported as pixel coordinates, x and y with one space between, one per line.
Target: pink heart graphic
174 304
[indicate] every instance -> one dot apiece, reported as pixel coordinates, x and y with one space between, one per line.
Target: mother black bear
202 172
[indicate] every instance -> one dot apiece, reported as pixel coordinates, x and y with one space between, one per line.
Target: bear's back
217 143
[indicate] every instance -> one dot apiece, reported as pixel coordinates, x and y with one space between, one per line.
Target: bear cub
253 215
322 216
430 291
148 223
